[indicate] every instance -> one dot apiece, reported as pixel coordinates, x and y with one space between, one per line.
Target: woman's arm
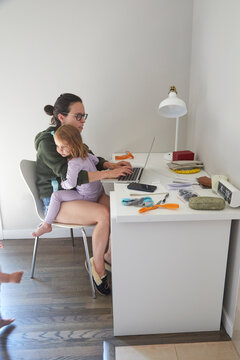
111 165
101 161
59 166
48 155
109 174
75 164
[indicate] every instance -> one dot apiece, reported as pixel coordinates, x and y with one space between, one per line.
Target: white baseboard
227 323
56 233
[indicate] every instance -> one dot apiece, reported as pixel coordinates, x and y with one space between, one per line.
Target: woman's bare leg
89 213
105 200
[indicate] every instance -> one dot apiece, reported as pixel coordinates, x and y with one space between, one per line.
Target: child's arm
13 277
74 166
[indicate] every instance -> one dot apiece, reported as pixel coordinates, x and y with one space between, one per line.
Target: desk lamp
172 107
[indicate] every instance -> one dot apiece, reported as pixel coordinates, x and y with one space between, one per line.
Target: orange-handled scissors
166 206
123 157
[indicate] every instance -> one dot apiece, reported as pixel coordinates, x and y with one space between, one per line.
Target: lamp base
168 156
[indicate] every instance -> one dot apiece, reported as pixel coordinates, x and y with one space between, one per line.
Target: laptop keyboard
132 177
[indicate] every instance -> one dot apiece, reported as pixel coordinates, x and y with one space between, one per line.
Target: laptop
137 171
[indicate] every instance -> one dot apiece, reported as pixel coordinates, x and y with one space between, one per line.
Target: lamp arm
176 136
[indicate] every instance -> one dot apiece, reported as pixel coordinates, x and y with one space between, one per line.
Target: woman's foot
5 322
103 288
101 283
44 228
107 258
107 262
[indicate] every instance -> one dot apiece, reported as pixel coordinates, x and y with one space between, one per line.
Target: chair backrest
28 171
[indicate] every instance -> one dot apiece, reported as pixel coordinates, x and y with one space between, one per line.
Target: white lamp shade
172 107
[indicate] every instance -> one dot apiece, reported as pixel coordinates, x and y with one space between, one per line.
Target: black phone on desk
141 187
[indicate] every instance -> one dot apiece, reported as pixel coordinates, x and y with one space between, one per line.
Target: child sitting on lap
69 144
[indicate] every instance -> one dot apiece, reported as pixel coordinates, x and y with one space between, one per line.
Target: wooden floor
56 317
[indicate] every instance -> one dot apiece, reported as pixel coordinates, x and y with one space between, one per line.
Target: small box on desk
183 155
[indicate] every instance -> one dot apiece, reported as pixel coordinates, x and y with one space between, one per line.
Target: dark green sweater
50 164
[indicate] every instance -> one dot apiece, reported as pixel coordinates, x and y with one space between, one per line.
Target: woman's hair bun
49 109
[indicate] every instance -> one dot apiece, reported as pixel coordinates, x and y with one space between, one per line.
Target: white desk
168 266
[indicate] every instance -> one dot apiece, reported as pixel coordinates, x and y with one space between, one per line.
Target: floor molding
227 323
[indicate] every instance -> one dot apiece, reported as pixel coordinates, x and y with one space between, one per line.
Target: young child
69 144
6 278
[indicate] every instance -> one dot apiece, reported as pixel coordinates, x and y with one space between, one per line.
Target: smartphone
141 187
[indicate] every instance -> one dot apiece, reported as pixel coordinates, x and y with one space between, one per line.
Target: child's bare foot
5 322
44 228
16 277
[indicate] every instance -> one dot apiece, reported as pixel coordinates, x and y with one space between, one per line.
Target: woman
52 168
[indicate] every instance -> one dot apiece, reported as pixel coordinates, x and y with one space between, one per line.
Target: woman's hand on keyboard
110 165
115 173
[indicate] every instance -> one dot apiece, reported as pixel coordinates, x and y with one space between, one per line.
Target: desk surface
158 173
167 277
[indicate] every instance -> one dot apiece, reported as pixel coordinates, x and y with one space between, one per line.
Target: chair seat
73 226
28 171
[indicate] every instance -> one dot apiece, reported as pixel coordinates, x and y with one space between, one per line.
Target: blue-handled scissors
144 201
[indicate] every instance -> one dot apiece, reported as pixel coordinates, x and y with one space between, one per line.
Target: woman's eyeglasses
78 116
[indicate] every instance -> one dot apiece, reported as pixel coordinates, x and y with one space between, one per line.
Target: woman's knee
104 215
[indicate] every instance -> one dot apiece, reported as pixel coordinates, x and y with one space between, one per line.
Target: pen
186 182
160 193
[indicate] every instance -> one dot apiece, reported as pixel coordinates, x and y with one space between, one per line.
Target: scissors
171 206
144 201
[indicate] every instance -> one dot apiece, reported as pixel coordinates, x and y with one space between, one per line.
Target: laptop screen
150 150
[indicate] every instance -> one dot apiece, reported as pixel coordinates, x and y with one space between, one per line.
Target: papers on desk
178 186
185 164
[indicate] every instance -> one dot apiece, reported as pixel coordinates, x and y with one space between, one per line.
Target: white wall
1 229
119 56
214 122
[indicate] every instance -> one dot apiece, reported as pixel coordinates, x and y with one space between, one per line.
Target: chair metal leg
34 256
88 261
71 231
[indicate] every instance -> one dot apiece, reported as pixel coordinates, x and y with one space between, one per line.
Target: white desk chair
28 170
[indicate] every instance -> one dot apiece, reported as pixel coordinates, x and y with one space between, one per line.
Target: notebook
137 171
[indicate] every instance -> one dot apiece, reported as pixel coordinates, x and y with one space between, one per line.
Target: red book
183 155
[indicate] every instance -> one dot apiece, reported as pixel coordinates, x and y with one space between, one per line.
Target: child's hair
73 137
